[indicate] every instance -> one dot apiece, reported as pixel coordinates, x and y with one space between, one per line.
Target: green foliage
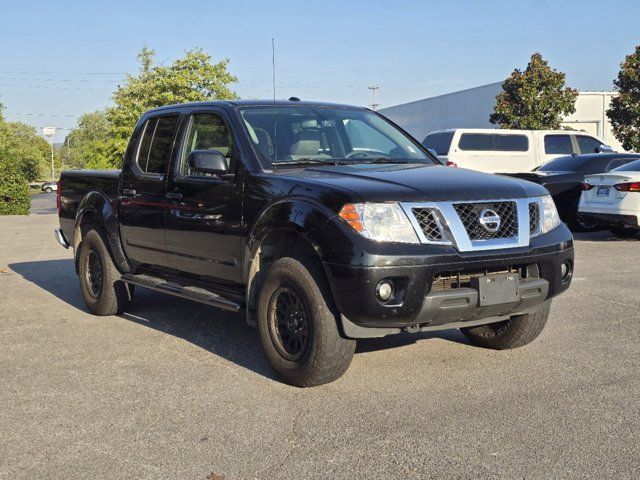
534 99
87 146
21 146
14 190
624 112
193 77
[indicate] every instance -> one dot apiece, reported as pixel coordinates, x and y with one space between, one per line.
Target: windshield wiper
383 160
306 161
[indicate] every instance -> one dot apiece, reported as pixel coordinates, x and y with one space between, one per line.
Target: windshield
629 167
316 134
562 164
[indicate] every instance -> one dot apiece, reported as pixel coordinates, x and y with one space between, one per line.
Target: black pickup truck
320 224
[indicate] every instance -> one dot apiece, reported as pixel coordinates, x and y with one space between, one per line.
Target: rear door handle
174 195
128 191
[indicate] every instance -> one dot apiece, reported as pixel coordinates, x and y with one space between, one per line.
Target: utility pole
50 132
373 103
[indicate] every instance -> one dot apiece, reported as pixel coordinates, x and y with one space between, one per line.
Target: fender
296 214
102 207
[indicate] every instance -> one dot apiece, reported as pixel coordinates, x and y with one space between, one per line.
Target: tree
193 77
14 190
20 145
624 112
87 146
534 99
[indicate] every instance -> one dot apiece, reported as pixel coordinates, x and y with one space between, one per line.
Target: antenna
273 66
373 103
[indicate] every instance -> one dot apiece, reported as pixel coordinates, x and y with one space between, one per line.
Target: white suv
501 150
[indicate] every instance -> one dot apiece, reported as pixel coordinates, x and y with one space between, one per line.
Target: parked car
612 200
321 224
49 187
564 178
497 151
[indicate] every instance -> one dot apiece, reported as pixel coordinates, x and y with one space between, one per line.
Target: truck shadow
220 333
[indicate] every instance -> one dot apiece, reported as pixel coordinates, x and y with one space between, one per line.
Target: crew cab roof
252 103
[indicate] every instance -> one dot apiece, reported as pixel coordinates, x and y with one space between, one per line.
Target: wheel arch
289 228
96 211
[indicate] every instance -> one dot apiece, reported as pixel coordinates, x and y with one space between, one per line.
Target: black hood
415 182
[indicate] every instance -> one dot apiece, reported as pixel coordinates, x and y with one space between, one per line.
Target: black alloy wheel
289 323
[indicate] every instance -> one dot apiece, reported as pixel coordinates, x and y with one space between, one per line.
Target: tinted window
162 143
511 143
207 131
557 144
629 167
588 144
563 164
494 142
475 141
440 142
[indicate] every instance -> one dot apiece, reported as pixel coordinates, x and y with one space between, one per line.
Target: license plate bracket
497 289
603 191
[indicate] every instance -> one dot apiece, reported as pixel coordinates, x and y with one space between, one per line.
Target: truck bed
75 185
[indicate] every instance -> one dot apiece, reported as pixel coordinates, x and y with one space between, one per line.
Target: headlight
549 218
384 222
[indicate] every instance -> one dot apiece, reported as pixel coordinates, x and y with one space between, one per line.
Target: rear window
493 142
558 145
156 144
440 142
629 167
563 164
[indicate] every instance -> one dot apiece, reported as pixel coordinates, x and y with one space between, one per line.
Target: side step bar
196 294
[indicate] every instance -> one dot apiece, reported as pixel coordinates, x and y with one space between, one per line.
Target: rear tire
576 224
298 326
623 232
100 284
48 190
516 332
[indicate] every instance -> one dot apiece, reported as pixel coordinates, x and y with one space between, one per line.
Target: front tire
102 289
623 232
298 325
516 332
48 190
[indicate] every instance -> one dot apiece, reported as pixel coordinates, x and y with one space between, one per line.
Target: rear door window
157 143
558 145
588 144
493 142
440 142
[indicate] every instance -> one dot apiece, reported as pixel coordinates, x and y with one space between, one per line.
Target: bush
14 190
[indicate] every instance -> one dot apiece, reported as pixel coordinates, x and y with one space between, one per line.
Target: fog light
565 270
384 290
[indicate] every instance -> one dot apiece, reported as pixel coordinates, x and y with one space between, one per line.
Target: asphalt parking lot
174 389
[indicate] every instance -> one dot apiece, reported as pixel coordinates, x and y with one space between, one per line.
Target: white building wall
471 109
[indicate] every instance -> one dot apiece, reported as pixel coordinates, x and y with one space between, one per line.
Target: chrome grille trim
453 231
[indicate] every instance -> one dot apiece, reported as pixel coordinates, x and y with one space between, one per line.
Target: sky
61 59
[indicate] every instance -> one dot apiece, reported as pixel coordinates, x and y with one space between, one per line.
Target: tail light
58 195
628 187
586 186
452 164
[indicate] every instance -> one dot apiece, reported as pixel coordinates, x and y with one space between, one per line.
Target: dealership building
471 109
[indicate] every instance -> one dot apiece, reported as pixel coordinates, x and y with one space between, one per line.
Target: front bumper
419 307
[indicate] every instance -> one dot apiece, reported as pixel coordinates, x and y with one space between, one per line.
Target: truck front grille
470 214
534 218
428 223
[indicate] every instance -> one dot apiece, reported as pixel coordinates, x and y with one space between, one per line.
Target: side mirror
432 152
604 149
207 161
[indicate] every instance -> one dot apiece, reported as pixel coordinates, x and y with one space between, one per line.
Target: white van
497 150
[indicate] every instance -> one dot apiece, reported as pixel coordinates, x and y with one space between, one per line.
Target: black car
563 177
